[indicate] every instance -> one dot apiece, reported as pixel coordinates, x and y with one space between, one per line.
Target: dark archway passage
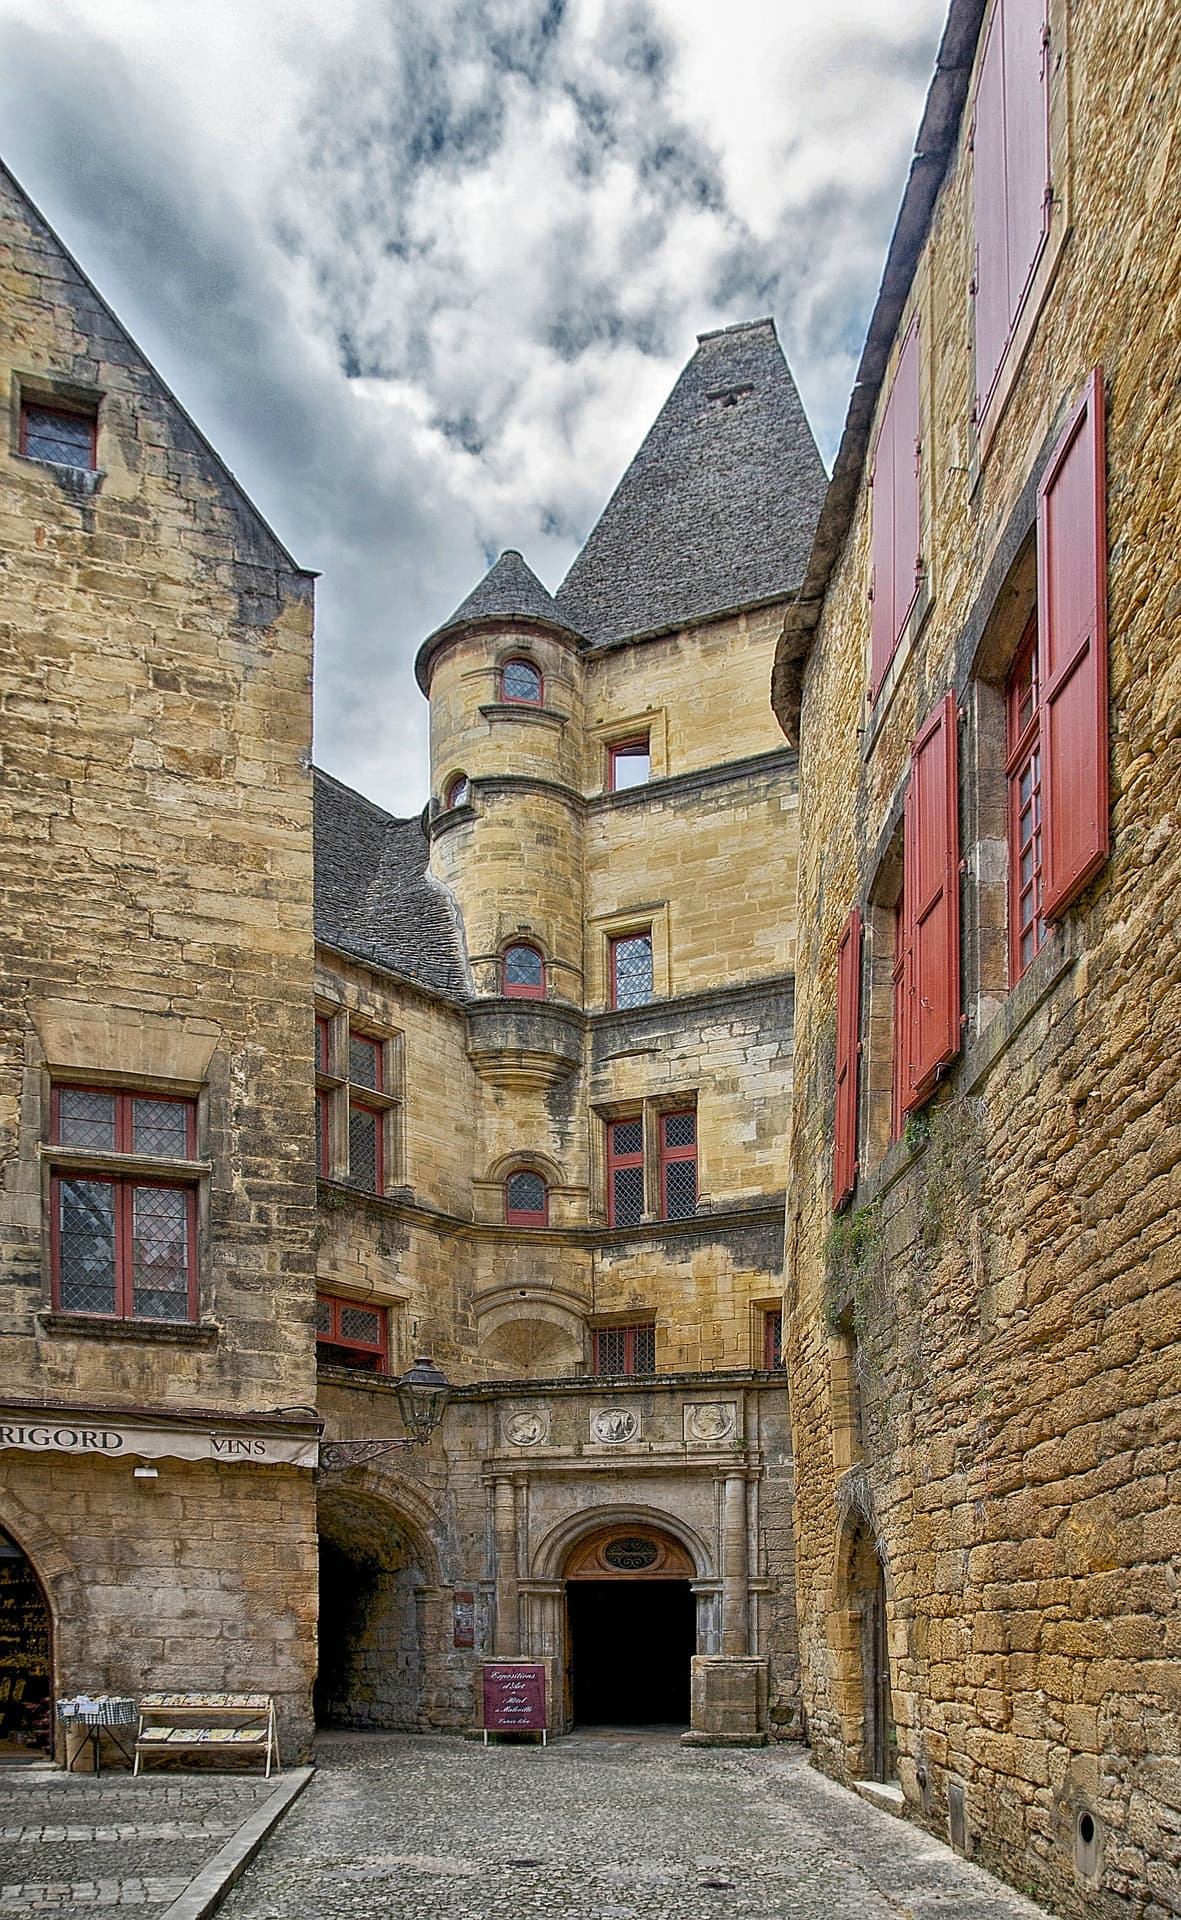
25 1664
631 1644
370 1637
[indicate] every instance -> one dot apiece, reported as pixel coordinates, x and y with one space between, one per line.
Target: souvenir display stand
212 1724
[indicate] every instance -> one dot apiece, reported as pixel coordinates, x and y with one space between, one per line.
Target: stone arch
522 1157
380 1568
531 1338
38 1580
858 1637
555 1549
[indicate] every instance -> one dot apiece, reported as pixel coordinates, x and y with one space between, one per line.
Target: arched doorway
631 1628
26 1707
370 1639
867 1599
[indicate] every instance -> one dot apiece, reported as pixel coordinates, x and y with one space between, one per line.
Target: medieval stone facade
982 1260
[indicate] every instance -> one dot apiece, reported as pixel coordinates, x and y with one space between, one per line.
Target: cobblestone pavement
597 1827
77 1845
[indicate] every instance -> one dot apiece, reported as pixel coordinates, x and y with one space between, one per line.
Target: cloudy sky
424 270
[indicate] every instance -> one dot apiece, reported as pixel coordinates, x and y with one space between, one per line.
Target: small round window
525 1200
524 973
457 791
520 681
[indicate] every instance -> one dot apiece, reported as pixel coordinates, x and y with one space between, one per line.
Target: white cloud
424 270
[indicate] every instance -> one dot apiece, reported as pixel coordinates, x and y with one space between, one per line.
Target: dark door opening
25 1718
631 1642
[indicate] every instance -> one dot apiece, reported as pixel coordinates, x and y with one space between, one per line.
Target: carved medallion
528 1429
711 1420
615 1425
631 1553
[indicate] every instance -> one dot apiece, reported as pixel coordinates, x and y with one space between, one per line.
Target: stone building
555 1035
981 671
535 1044
157 1193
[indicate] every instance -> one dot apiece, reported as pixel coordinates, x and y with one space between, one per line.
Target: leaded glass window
520 680
631 970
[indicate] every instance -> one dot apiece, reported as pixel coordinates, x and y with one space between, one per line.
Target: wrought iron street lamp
422 1396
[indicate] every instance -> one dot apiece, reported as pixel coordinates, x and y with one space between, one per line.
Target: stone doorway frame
858 1632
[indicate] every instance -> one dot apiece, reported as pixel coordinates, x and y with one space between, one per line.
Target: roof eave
442 637
934 149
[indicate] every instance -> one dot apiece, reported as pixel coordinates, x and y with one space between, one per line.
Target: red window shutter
1072 654
904 405
991 278
1011 178
931 888
896 513
882 588
844 1156
1027 143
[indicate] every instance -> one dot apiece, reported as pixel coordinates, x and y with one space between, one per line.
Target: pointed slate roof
510 590
374 896
718 508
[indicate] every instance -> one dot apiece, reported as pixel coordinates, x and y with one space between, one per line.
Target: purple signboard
514 1698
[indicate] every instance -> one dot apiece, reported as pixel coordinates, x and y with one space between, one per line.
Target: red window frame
323 1132
335 1338
773 1339
124 1183
323 1042
1027 929
364 1106
617 1161
931 865
456 792
670 1155
527 1216
64 413
522 699
516 989
621 939
900 983
645 1328
623 750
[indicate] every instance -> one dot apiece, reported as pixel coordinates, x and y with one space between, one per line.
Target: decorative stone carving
529 1428
711 1421
614 1426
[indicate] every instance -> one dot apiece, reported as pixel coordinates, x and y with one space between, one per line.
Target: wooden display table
215 1724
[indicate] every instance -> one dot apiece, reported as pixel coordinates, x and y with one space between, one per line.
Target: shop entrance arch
631 1620
26 1665
374 1567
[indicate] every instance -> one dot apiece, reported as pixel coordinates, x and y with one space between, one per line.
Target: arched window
520 682
526 1200
457 791
523 973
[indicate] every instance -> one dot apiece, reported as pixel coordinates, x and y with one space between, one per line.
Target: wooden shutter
882 584
1027 143
1011 177
931 887
844 1158
904 405
990 281
1072 654
895 483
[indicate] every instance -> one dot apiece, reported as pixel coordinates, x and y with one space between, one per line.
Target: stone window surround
650 916
652 1112
337 1095
66 396
128 1169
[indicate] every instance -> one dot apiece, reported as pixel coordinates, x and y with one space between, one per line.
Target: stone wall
982 1350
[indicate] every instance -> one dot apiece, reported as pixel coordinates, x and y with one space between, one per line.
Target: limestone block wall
148 1585
155 664
982 1355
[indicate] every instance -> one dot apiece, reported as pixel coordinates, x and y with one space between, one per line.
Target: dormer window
520 683
523 973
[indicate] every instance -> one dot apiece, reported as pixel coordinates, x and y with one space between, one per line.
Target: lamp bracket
336 1456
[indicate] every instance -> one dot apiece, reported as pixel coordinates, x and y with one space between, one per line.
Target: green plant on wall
855 1269
952 1165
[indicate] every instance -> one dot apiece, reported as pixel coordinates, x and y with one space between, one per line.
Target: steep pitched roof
373 894
718 508
510 590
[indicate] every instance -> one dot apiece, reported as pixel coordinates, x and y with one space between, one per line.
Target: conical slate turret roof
718 508
510 590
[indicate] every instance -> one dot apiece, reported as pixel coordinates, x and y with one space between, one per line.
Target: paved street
73 1845
596 1827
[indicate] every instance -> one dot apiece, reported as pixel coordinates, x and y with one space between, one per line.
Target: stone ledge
97 1326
